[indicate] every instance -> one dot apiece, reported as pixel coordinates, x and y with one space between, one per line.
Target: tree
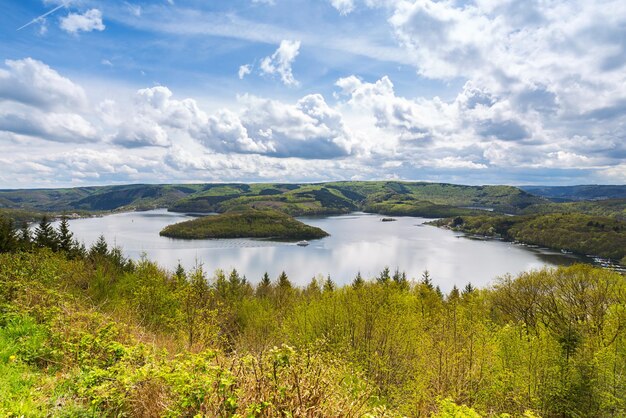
45 235
25 238
426 279
99 248
264 288
384 276
65 237
8 238
283 281
358 281
329 285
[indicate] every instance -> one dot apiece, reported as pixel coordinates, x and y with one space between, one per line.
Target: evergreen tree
468 289
25 238
358 281
329 285
45 235
65 237
99 248
283 281
180 273
426 279
384 276
454 294
400 279
313 289
264 288
8 237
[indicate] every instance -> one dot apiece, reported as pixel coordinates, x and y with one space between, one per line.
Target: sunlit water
357 242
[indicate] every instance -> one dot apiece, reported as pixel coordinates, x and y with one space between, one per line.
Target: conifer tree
329 285
283 281
358 281
45 235
384 276
264 287
426 279
8 238
65 236
99 248
25 238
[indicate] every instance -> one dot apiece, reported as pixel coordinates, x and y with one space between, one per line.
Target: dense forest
85 332
245 223
579 233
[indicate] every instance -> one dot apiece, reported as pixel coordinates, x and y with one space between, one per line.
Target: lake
357 242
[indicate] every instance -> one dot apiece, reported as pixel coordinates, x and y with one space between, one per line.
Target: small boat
302 243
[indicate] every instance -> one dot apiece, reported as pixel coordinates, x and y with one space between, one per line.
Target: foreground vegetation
89 333
245 223
579 233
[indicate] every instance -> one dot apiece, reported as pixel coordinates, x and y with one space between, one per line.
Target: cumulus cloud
32 82
308 129
89 21
141 132
59 127
280 62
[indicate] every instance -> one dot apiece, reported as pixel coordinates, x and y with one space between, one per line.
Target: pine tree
65 237
180 272
426 279
45 235
283 281
468 289
8 237
99 248
358 281
25 238
264 288
384 276
329 285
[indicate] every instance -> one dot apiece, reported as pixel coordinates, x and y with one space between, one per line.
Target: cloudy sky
465 91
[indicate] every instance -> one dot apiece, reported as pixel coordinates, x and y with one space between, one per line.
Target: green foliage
84 337
583 234
248 223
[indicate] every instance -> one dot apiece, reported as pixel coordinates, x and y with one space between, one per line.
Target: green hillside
426 199
580 233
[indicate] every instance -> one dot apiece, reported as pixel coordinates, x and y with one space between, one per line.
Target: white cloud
59 127
89 21
244 70
343 6
280 62
141 132
308 129
32 82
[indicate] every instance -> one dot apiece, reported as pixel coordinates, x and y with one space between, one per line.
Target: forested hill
392 197
576 193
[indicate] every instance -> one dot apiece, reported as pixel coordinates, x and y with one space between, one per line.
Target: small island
245 223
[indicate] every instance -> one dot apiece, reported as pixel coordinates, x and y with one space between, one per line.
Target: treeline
579 233
93 336
60 240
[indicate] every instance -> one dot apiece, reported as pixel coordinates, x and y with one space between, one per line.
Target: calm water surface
358 242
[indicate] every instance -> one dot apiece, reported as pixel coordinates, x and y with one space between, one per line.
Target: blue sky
474 91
